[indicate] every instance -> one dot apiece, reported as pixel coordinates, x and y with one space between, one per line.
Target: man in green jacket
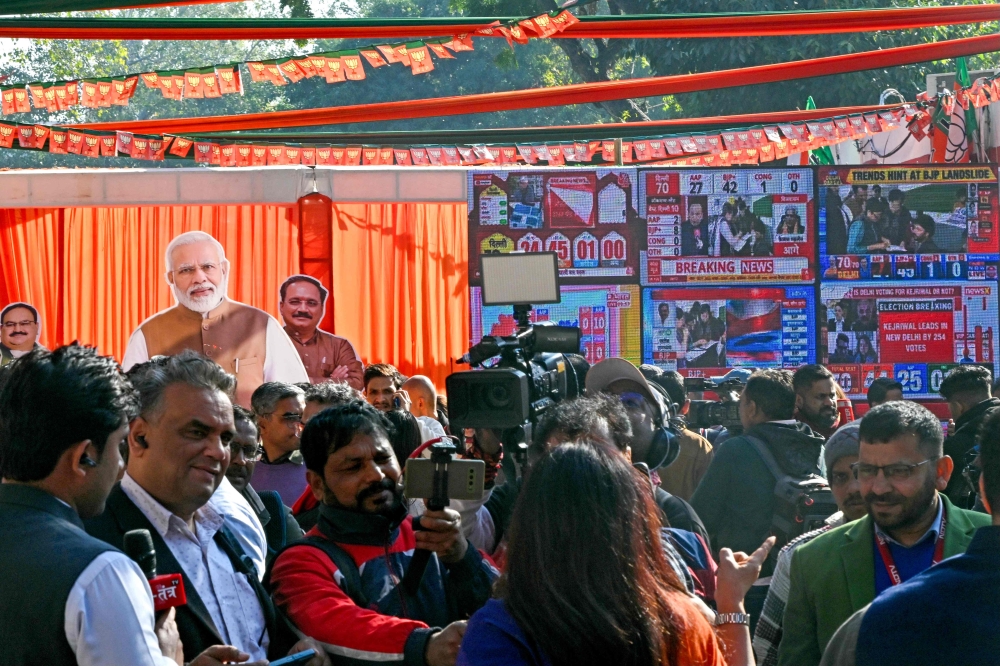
911 525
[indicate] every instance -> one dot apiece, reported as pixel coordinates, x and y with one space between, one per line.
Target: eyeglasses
894 472
250 453
22 324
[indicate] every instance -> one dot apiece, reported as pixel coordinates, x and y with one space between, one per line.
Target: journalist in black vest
179 450
67 598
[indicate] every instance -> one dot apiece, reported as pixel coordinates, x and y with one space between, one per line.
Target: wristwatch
732 618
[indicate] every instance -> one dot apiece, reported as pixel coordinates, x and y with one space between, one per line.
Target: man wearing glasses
18 331
246 342
278 408
911 525
244 453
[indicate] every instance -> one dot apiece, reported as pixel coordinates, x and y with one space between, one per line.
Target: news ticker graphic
586 216
608 317
704 331
908 222
727 225
916 333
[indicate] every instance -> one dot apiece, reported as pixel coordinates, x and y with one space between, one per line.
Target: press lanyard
890 563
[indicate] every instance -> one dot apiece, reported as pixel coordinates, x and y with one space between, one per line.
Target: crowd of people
797 536
735 232
865 222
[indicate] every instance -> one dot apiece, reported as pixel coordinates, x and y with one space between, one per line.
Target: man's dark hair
896 194
51 400
772 392
973 379
989 459
405 435
267 396
334 428
243 415
332 393
876 206
580 419
844 337
880 387
34 312
323 292
927 222
892 419
152 378
672 382
383 370
808 375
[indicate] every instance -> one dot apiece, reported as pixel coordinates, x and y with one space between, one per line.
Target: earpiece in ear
142 440
87 461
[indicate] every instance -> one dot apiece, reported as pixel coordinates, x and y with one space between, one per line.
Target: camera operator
653 444
342 585
682 477
736 498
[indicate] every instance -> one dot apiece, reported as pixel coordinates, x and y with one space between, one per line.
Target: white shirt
109 615
228 596
242 522
282 362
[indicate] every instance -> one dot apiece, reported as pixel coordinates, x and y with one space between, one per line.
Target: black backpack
802 503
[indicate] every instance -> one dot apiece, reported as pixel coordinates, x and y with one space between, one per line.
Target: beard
202 304
912 508
825 417
386 508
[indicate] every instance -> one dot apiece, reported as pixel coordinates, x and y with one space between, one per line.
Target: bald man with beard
245 341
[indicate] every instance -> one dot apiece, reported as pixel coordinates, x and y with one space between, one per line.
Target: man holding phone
383 388
341 584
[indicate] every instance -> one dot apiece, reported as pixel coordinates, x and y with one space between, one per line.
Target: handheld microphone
168 590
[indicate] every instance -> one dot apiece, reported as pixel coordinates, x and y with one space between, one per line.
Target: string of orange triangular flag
752 145
215 81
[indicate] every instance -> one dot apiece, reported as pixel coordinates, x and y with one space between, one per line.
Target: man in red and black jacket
342 583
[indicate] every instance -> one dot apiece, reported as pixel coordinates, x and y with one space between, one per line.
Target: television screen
916 333
607 315
701 332
587 216
905 223
727 225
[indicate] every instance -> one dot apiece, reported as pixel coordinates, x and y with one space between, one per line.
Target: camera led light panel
919 222
588 217
733 225
914 332
607 315
704 331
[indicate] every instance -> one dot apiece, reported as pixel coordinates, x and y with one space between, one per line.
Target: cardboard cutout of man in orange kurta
326 356
245 341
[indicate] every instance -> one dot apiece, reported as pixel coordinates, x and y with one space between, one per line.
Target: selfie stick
441 454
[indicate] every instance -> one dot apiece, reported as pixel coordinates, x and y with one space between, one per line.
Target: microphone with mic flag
168 590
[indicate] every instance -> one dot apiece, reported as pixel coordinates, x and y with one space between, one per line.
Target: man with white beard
245 341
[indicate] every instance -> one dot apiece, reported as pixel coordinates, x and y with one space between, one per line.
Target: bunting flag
748 145
208 82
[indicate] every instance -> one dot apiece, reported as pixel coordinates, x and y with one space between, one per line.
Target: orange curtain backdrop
97 273
30 267
401 284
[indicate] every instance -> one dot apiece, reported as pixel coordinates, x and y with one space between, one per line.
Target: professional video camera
533 372
726 410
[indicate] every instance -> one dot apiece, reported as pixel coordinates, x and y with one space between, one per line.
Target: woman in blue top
587 581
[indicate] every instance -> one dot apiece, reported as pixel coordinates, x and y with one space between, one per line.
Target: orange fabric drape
96 273
30 268
399 279
401 284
